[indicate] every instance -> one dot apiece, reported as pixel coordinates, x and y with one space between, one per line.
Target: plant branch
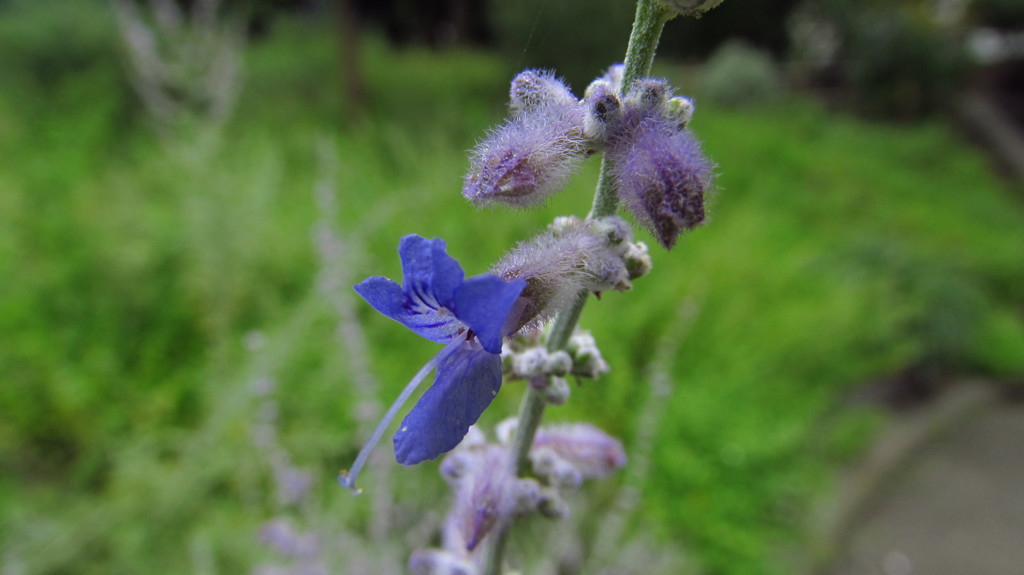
643 42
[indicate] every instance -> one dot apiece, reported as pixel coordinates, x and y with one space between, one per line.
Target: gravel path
957 508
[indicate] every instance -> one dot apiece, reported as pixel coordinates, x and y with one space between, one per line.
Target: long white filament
347 477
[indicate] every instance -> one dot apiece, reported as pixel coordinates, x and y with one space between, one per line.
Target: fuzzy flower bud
556 471
648 96
530 157
535 361
558 363
557 391
586 358
613 77
487 494
681 110
440 562
532 89
572 256
551 504
530 362
638 260
603 109
590 451
659 170
662 177
506 429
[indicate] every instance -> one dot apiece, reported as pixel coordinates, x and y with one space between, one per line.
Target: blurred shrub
67 50
762 22
897 60
902 68
956 324
185 63
738 74
999 13
580 38
44 41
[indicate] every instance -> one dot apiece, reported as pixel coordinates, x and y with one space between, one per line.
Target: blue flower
471 316
434 300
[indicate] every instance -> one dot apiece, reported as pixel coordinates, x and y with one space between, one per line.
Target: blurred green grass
134 268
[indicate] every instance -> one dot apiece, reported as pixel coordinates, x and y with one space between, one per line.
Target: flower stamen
347 477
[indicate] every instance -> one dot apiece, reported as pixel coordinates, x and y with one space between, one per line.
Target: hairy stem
643 42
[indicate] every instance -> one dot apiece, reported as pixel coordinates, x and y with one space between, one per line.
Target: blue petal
446 275
417 261
388 298
383 294
467 381
429 274
483 303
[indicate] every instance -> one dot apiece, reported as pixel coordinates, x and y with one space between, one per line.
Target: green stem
531 411
643 42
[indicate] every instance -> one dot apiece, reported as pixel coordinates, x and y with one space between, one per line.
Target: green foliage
829 259
737 74
47 40
837 251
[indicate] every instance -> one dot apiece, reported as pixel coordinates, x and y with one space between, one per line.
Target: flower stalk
643 43
520 319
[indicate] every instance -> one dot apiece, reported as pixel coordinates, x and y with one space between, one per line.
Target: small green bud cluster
587 360
526 357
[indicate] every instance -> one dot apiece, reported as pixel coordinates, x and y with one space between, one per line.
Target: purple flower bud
590 451
530 157
662 176
440 562
463 457
557 472
532 89
487 494
612 76
281 536
603 109
648 96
